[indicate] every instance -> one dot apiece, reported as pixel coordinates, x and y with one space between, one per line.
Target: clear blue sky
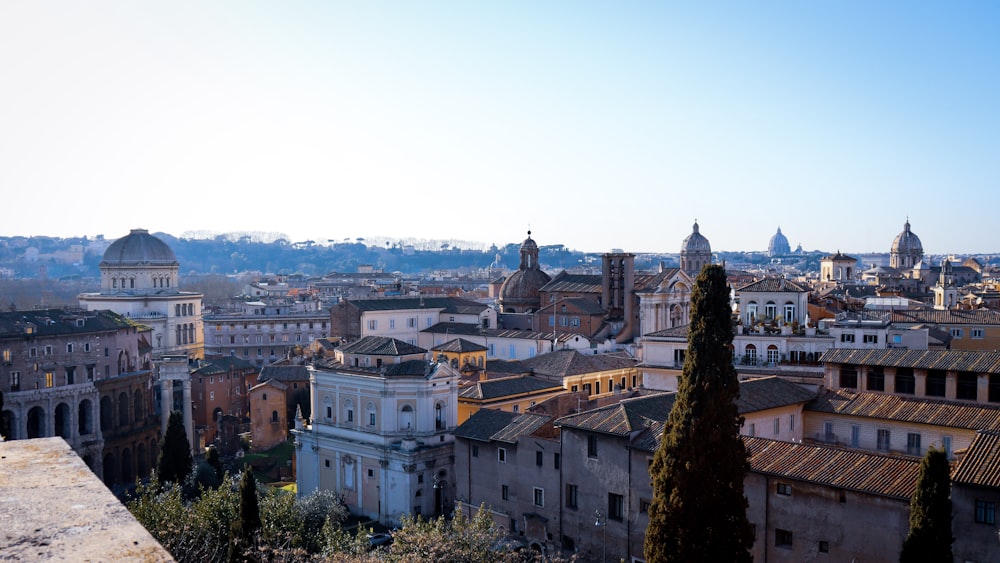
599 124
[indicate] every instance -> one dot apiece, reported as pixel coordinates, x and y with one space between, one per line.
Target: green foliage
215 462
698 510
175 461
198 529
930 535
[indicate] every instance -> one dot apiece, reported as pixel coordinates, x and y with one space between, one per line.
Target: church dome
139 247
520 292
778 246
907 242
696 242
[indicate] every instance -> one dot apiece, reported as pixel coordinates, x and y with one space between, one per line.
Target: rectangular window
504 492
591 446
784 489
69 347
782 538
539 497
777 426
966 386
644 506
555 461
855 436
791 422
986 512
49 376
849 377
956 333
935 383
905 382
86 346
475 450
511 351
876 379
515 408
946 445
572 493
371 419
15 381
846 337
871 339
882 443
411 322
616 507
752 431
502 455
976 333
392 323
372 324
539 458
828 435
824 546
913 443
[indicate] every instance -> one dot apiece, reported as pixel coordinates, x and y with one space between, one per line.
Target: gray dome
139 247
520 292
907 242
778 245
696 242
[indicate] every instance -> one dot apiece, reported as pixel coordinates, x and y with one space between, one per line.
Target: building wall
974 541
268 417
262 339
841 432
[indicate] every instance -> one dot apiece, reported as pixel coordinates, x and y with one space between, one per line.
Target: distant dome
520 292
139 247
696 242
778 246
907 242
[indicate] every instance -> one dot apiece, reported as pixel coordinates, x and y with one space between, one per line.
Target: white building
139 280
381 436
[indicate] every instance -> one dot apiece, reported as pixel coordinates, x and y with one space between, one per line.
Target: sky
597 125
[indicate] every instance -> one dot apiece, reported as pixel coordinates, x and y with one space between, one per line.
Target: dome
520 292
696 242
778 246
907 242
139 247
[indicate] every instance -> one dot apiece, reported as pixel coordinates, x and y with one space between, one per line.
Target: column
983 388
890 380
920 382
166 403
950 385
188 415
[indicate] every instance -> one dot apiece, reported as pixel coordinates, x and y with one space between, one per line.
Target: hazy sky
599 124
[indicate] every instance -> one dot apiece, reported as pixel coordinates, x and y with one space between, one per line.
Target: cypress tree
698 510
175 461
249 521
930 536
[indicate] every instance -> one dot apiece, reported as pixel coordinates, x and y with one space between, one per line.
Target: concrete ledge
52 507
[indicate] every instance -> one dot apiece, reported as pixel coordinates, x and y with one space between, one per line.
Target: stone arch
110 469
63 422
9 421
138 410
126 474
123 400
141 461
85 418
107 413
36 422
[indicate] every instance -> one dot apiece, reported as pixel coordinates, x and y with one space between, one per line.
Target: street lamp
602 523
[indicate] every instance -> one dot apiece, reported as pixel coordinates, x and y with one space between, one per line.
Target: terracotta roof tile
955 360
981 464
770 285
885 406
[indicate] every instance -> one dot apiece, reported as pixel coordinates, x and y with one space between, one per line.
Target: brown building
219 386
268 415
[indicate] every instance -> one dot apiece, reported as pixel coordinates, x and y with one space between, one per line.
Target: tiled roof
636 414
508 387
950 316
562 363
574 283
459 345
853 470
582 305
885 406
648 283
284 373
49 322
770 285
955 360
466 329
271 383
446 304
381 346
410 368
981 464
839 257
222 364
487 425
673 332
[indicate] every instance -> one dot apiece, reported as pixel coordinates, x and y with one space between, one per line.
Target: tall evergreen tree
248 523
698 511
930 536
175 461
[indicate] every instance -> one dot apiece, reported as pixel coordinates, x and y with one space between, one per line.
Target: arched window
177 310
349 411
751 312
372 414
770 310
114 283
789 312
131 283
274 416
750 353
772 354
439 417
406 418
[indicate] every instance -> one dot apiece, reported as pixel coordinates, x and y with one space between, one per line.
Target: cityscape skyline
595 126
